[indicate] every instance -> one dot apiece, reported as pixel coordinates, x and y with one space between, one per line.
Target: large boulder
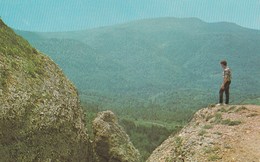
40 115
111 143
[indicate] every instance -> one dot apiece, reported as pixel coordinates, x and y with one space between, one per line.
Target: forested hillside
155 73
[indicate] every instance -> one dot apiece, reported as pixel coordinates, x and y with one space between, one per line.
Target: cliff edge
225 133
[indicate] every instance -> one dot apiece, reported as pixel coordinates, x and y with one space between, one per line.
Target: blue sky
67 15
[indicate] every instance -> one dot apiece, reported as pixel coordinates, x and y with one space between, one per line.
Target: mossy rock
40 115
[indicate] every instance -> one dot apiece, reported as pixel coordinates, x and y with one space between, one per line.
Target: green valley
155 73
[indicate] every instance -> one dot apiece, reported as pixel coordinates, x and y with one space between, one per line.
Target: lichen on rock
40 114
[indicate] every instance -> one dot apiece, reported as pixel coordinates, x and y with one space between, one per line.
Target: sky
69 15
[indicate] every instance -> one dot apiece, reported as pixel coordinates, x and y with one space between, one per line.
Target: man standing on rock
226 83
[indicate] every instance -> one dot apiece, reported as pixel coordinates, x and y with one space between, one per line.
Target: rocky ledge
225 133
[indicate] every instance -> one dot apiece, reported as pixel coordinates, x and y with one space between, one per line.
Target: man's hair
223 62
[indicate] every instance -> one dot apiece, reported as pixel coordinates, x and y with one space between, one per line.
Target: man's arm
225 80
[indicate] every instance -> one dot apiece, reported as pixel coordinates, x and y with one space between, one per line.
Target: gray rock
111 143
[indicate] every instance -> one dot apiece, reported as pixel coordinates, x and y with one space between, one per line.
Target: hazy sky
65 15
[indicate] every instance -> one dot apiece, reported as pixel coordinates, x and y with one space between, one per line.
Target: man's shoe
219 104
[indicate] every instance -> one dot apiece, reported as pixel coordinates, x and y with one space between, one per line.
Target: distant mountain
155 73
154 58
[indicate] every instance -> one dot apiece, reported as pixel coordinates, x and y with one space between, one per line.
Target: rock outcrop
40 115
111 143
226 133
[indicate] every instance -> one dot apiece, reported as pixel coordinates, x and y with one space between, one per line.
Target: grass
178 141
17 55
241 109
202 132
209 150
230 122
212 153
169 159
208 126
217 118
214 157
232 108
222 109
3 78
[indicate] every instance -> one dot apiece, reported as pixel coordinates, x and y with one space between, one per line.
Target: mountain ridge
157 71
162 54
194 19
